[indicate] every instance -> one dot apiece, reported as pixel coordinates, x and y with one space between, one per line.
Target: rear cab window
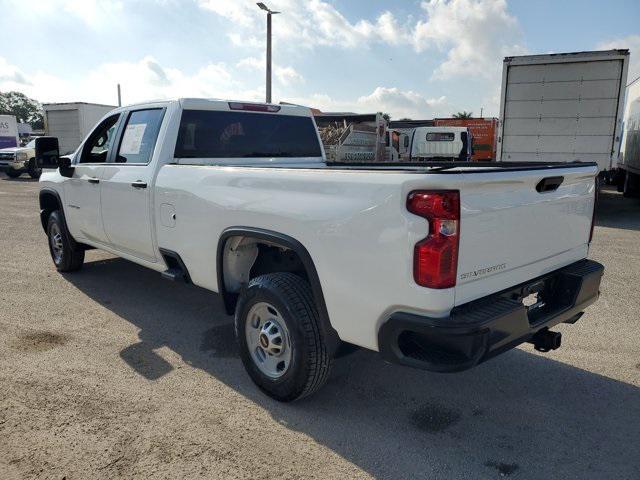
139 137
226 134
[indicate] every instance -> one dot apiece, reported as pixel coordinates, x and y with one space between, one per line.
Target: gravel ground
113 372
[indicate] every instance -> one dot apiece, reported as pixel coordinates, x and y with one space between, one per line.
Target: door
82 190
126 185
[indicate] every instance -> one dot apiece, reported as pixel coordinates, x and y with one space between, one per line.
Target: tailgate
510 232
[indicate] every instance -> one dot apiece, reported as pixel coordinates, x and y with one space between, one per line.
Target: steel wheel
268 340
55 239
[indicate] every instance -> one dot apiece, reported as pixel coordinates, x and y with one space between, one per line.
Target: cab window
96 148
140 136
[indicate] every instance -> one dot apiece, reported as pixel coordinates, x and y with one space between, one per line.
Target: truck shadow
521 413
616 211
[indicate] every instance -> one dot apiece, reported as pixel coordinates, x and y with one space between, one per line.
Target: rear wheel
66 254
278 331
14 173
632 185
33 170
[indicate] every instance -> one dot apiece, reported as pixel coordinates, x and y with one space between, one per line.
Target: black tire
631 185
618 179
33 170
66 254
13 173
310 361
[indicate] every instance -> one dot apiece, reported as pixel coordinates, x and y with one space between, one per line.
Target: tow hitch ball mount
545 340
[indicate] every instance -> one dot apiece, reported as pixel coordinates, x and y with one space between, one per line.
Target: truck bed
361 236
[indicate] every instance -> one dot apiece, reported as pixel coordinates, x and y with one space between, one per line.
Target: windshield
222 134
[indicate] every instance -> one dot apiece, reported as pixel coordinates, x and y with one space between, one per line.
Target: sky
415 59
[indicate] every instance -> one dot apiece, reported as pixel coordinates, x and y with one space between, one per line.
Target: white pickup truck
15 161
439 266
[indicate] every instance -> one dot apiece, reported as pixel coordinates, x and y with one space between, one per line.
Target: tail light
435 258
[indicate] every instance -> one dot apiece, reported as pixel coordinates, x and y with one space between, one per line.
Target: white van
441 143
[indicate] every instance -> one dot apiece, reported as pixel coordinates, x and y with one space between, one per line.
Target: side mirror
47 152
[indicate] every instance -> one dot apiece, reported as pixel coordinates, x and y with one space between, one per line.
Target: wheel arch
49 201
285 241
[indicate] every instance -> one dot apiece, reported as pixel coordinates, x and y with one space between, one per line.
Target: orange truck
483 131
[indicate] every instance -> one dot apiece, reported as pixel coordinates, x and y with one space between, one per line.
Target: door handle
139 184
94 180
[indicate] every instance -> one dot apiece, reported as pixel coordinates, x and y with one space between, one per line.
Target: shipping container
71 122
563 107
483 131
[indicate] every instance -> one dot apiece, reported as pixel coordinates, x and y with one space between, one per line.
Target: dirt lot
114 372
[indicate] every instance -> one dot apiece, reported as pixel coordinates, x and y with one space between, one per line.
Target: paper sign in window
132 139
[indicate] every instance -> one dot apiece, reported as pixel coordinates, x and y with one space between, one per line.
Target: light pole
269 13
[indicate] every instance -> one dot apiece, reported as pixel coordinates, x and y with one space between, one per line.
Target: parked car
15 161
438 266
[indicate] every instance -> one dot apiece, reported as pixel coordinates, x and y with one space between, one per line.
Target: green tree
25 109
463 114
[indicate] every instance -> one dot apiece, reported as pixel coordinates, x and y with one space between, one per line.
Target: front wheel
33 170
281 343
67 255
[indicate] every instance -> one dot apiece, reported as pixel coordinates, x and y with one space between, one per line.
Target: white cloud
140 81
246 41
147 79
392 100
97 14
632 42
238 11
286 75
307 24
12 75
253 63
402 103
475 34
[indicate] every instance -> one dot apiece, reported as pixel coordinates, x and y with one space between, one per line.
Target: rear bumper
484 328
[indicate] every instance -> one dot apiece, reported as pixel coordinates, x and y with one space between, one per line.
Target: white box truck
563 107
8 131
628 179
71 122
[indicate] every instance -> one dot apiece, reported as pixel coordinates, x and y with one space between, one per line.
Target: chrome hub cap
55 239
268 340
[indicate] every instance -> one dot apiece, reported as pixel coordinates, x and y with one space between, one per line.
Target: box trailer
564 107
8 131
71 122
629 158
483 131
